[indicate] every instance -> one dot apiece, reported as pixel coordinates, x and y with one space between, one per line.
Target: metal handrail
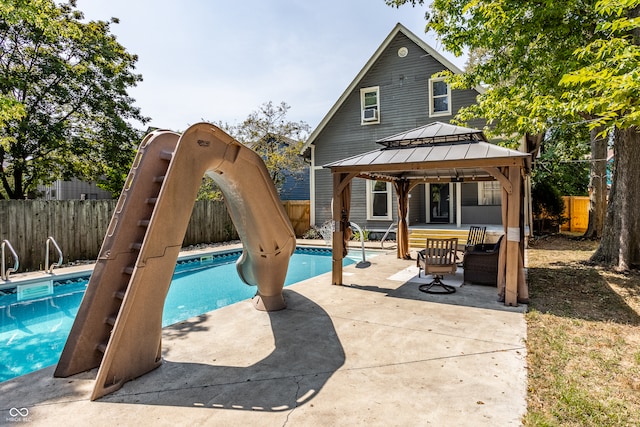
49 268
391 227
364 262
4 273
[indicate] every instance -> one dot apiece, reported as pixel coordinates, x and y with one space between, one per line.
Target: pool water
33 332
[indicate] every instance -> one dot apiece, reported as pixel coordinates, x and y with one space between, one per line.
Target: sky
219 61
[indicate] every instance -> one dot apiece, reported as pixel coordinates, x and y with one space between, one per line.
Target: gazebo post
513 238
341 201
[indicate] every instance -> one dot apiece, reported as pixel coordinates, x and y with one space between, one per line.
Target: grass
583 338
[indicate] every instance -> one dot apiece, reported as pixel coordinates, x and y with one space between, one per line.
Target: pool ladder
4 273
49 268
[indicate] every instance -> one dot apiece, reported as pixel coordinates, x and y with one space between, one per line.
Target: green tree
564 160
277 140
64 107
551 62
608 87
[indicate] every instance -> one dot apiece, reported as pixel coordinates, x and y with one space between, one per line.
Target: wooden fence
299 212
79 226
576 208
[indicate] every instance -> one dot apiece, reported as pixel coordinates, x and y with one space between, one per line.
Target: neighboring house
395 92
72 190
296 183
296 186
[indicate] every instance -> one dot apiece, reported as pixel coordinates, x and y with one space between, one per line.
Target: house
296 185
396 91
74 189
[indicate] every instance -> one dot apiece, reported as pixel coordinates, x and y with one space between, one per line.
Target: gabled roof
399 28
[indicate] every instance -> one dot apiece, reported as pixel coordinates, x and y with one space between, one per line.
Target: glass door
439 203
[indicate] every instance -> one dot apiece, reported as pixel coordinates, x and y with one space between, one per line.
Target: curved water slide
119 323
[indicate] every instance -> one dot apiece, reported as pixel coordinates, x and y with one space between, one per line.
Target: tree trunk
620 244
597 186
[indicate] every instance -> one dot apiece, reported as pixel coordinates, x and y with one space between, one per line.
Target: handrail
47 268
393 224
4 273
364 262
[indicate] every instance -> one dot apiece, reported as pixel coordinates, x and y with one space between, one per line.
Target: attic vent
370 114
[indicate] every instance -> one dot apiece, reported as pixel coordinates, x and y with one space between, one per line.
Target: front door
439 203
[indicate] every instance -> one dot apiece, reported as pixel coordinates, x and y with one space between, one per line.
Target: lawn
583 338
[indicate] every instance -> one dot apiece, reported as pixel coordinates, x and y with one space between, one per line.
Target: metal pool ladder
49 268
4 273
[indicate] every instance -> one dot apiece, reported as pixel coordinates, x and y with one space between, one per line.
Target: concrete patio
373 352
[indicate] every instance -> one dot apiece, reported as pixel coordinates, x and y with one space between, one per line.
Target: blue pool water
33 332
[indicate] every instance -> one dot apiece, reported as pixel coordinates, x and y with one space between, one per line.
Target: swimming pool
33 331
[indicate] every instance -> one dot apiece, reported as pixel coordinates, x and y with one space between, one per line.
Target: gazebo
439 152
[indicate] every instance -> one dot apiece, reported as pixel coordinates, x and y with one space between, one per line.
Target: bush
356 235
548 208
312 233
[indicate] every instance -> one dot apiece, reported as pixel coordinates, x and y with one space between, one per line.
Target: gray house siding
403 104
72 190
472 213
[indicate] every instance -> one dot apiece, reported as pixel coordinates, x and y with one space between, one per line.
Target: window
378 200
489 193
439 98
370 105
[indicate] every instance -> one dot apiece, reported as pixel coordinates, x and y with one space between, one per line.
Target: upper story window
489 193
439 97
370 105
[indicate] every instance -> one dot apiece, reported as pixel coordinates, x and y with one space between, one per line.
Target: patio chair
476 236
437 259
480 264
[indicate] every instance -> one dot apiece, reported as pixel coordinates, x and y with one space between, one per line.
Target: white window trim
370 216
481 191
362 106
439 113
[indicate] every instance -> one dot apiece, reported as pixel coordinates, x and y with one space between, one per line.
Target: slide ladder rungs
111 320
151 200
127 270
158 179
136 246
102 347
119 295
143 223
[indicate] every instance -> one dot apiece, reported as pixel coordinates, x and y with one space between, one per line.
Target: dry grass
583 338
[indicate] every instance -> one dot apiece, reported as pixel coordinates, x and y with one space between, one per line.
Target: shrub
548 208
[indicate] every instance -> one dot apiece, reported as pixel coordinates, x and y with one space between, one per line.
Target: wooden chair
437 259
476 236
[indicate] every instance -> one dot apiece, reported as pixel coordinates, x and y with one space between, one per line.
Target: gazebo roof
437 151
433 133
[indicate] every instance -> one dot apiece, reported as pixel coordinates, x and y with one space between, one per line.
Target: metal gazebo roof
434 151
